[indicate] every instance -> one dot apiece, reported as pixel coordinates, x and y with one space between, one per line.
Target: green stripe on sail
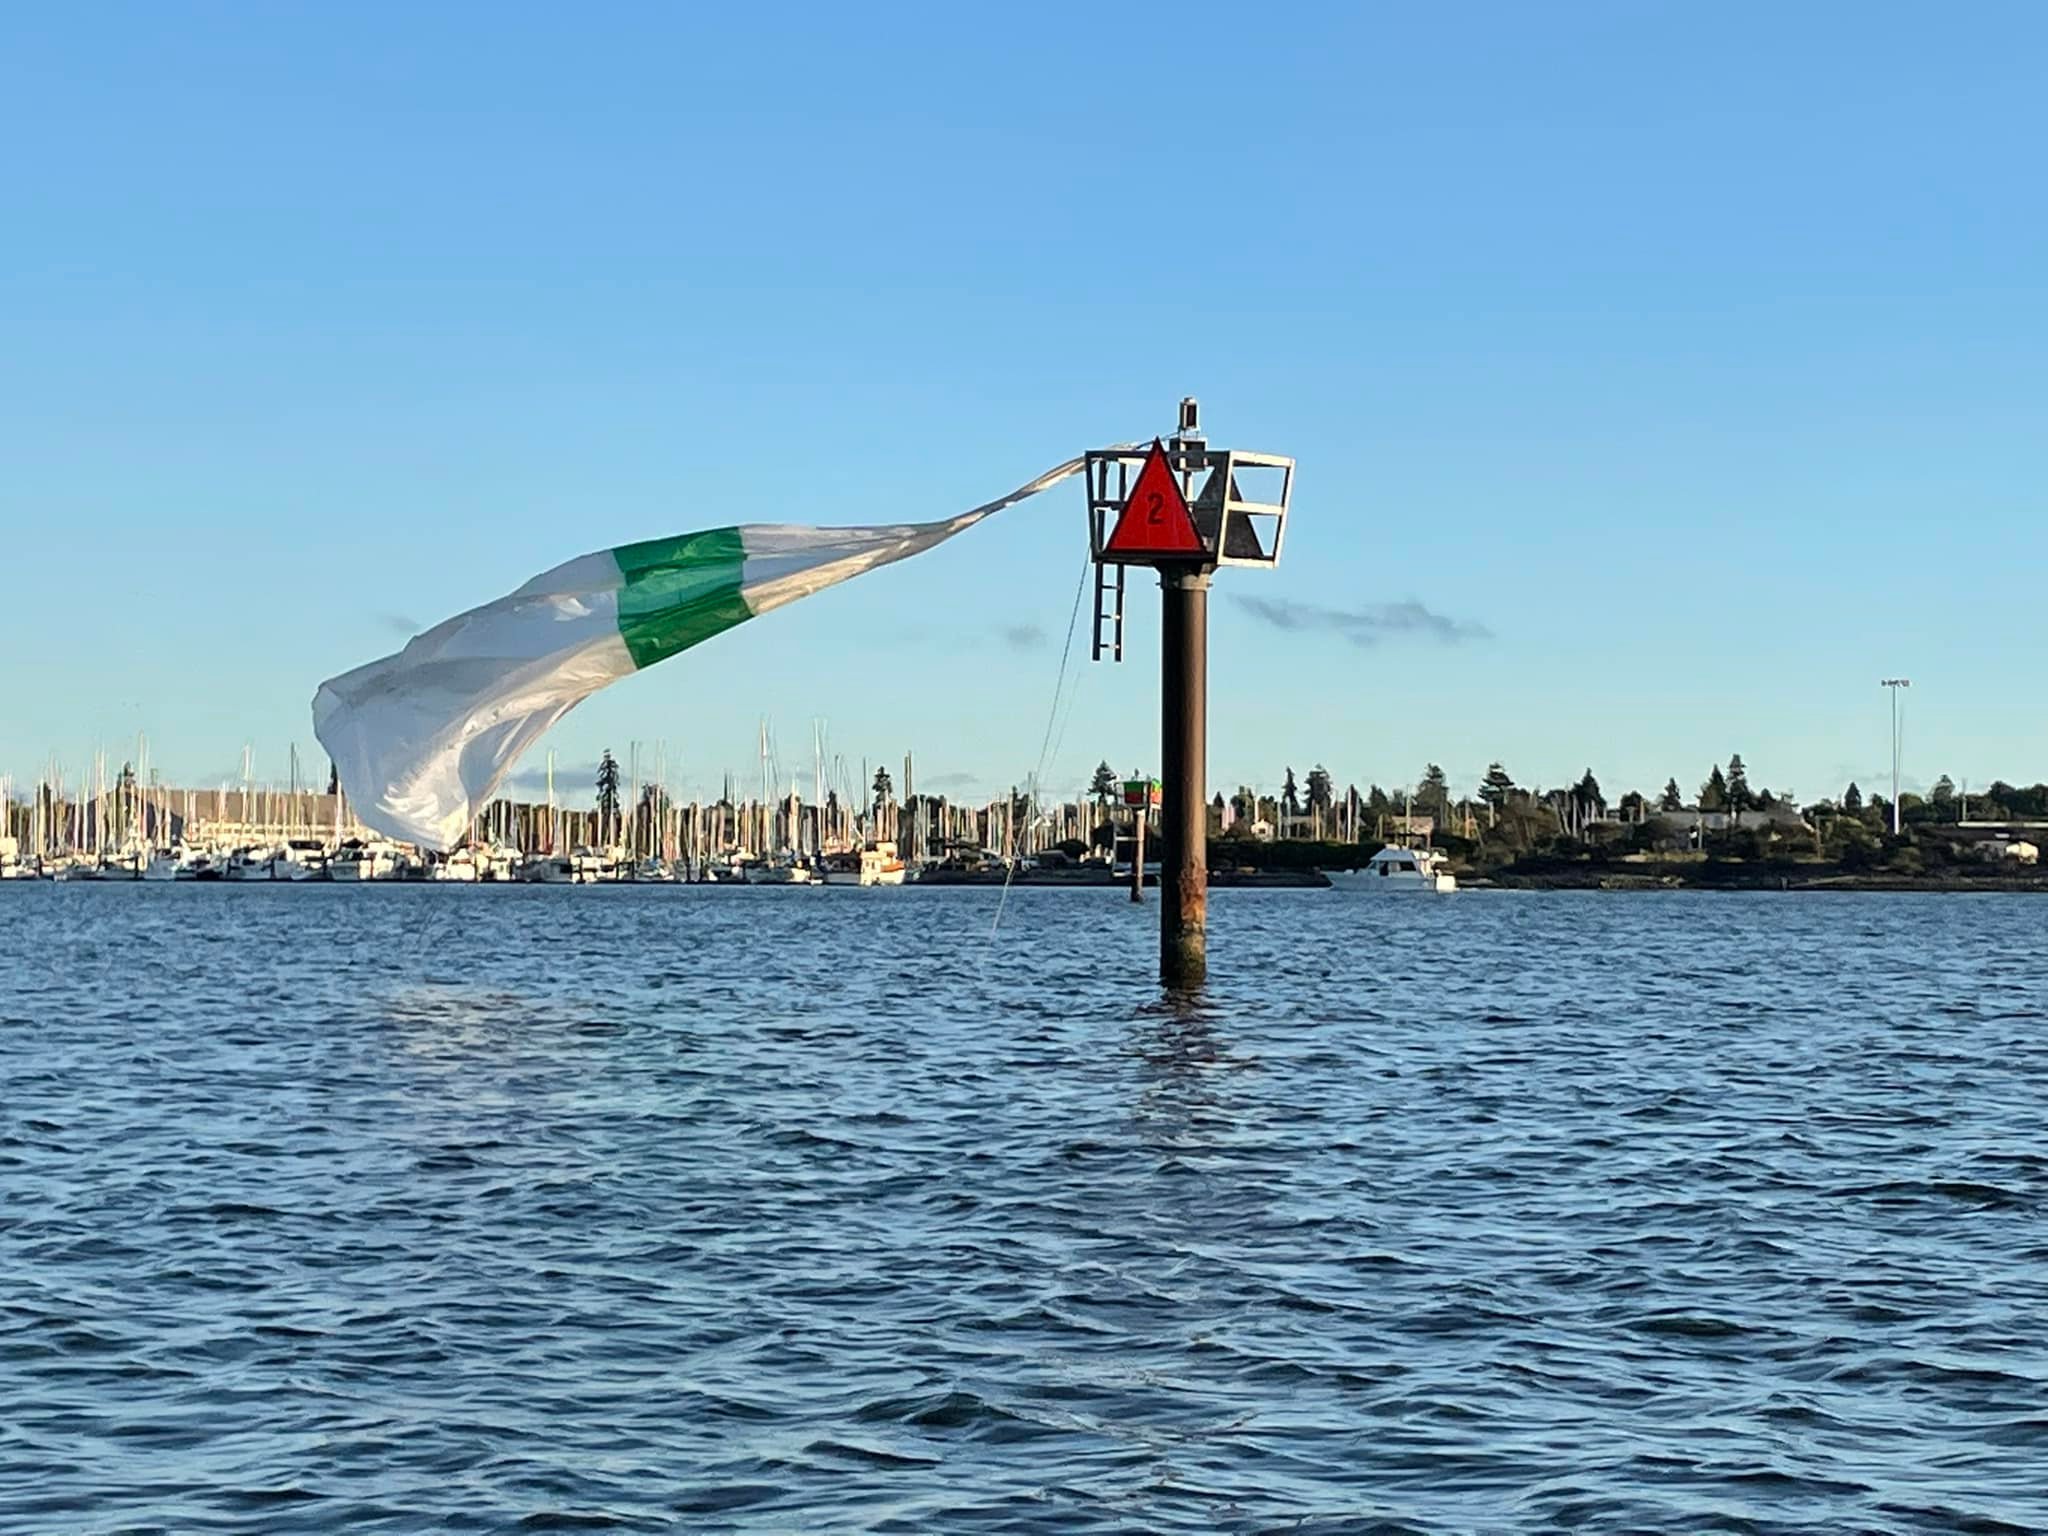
679 591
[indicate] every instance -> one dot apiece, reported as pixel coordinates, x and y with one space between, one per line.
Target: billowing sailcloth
420 738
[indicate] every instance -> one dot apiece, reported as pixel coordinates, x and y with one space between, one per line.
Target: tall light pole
1895 684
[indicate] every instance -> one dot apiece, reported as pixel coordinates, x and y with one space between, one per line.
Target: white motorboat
781 872
138 863
459 865
302 858
197 864
496 862
125 865
357 861
12 865
354 860
880 865
1398 869
594 868
252 863
549 869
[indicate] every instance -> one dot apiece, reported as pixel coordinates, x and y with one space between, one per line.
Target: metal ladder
1111 616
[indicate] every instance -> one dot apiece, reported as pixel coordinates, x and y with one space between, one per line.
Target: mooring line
1045 744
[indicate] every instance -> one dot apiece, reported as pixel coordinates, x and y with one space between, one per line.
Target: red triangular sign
1155 519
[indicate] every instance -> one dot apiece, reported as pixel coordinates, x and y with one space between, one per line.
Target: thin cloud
1879 781
1369 625
1019 637
568 780
399 624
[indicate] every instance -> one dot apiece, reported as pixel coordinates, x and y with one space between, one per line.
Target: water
409 1209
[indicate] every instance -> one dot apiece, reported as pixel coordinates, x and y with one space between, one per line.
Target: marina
116 828
877 867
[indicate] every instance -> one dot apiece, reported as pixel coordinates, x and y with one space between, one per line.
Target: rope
1045 745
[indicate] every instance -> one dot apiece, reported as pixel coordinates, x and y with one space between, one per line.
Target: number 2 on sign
1155 509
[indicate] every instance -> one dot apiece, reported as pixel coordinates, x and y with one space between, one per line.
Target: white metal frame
1110 472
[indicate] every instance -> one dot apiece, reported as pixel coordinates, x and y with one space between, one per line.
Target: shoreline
1262 880
1777 882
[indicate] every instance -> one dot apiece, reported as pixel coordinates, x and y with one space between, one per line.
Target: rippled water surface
404 1209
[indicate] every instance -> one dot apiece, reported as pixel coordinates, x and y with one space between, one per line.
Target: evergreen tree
885 787
1433 794
1632 806
1714 793
1319 795
2023 802
1740 796
1495 788
1670 800
1944 791
333 778
1290 796
1587 791
607 795
1102 789
1852 800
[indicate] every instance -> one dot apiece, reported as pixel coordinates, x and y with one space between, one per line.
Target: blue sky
1690 361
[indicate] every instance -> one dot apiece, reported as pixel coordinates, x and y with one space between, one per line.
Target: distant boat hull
133 867
1397 884
357 863
1398 871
